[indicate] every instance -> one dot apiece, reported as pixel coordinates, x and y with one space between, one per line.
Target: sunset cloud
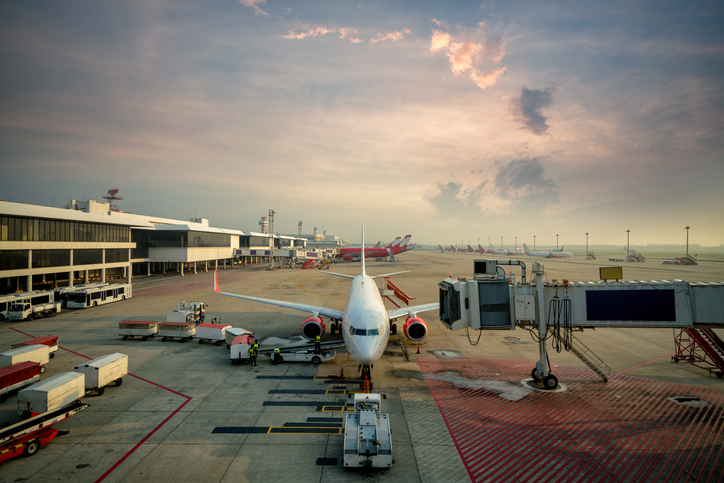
255 5
477 53
308 32
392 36
527 109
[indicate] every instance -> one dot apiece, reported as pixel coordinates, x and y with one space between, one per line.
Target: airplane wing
327 312
336 274
388 274
393 314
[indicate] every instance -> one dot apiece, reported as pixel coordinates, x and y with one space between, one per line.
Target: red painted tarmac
623 430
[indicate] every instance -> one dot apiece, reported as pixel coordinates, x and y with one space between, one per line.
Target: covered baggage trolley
211 332
103 371
176 330
239 350
35 353
53 393
17 376
233 332
137 328
49 340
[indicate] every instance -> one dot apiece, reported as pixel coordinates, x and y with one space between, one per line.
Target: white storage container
181 330
137 328
34 353
53 393
211 332
103 371
239 352
234 332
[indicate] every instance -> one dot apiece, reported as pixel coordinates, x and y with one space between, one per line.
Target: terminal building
44 248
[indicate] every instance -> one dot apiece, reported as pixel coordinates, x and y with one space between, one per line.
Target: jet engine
415 328
314 326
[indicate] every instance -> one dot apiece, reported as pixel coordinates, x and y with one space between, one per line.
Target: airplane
395 248
482 250
364 323
548 254
502 251
468 249
450 249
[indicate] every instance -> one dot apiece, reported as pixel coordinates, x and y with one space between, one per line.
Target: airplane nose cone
367 349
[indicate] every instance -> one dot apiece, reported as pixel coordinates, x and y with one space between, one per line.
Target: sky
451 121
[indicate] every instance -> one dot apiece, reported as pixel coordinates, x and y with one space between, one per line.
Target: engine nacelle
415 328
312 327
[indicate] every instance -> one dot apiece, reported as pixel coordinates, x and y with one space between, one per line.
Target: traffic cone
341 374
418 349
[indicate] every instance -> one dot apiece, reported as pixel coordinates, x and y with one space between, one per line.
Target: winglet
216 283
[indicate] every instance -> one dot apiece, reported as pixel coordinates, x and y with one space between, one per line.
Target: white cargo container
137 328
234 332
53 393
181 330
239 352
35 353
103 371
212 332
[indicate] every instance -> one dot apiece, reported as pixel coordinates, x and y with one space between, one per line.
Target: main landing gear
335 327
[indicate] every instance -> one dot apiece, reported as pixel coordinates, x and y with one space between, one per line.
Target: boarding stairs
309 263
394 294
326 262
701 348
587 356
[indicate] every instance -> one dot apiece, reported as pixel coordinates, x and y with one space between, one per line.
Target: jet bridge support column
542 371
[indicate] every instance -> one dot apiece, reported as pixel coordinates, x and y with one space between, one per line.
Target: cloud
346 33
255 5
527 108
392 36
476 52
522 182
452 200
309 32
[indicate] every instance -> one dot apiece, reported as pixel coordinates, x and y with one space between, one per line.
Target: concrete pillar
206 263
195 263
103 270
182 269
30 271
72 272
148 267
85 276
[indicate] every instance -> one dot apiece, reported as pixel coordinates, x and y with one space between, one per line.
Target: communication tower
113 198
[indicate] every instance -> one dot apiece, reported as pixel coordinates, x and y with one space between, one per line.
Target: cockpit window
353 331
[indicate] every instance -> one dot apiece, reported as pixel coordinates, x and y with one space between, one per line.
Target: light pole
556 241
488 241
516 243
628 240
501 242
533 242
586 243
687 241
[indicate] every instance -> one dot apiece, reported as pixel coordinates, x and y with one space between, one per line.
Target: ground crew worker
256 345
277 356
252 356
317 344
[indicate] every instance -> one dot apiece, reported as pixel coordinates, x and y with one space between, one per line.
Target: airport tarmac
458 411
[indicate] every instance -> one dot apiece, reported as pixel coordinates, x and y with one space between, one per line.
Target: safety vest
251 351
276 351
256 345
317 339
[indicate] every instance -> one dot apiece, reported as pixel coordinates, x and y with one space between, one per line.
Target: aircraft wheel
534 375
316 360
31 448
550 382
119 381
42 369
101 391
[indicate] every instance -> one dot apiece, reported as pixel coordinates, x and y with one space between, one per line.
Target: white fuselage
365 326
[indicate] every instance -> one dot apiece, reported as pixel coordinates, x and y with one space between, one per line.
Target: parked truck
39 353
102 371
53 393
17 377
26 310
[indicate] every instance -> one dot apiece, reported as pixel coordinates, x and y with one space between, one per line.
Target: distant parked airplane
548 254
451 249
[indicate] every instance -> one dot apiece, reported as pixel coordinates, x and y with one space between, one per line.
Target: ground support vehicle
367 434
39 353
53 393
137 328
306 355
26 310
102 371
49 340
239 350
26 437
232 333
17 377
176 330
215 333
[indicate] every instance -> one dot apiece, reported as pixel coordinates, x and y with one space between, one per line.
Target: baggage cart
176 330
233 332
103 371
53 393
137 328
35 353
211 332
239 350
49 340
17 377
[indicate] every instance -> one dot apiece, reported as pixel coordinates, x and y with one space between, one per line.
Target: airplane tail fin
405 241
525 248
216 283
394 243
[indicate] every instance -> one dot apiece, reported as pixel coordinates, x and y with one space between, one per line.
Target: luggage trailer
26 437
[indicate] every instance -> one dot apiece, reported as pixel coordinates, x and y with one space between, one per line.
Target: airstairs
394 294
587 356
701 348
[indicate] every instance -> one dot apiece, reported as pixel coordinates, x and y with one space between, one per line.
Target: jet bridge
489 301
